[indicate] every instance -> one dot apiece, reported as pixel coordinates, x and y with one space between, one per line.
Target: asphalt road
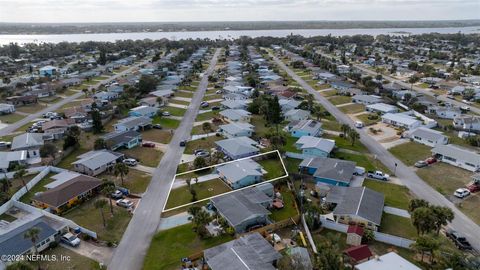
133 247
31 117
408 177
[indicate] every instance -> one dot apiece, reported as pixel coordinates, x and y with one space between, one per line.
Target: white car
130 162
125 203
165 114
70 239
461 193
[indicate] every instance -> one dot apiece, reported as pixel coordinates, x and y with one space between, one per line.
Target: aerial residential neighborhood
290 141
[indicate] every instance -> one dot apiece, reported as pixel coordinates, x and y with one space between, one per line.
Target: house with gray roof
457 156
249 252
304 128
359 205
133 123
427 136
382 108
243 209
288 104
314 146
239 174
366 99
234 104
296 115
122 139
96 162
6 108
31 142
239 147
237 129
236 115
446 112
12 158
330 171
468 123
143 111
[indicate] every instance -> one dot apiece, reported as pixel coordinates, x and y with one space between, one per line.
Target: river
227 34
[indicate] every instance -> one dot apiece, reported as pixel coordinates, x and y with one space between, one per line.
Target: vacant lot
175 111
186 94
77 261
345 143
31 108
207 116
398 226
352 108
368 118
156 135
182 195
203 143
395 195
411 152
337 100
331 125
146 155
11 118
166 122
444 178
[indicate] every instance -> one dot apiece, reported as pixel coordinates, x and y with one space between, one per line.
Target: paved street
31 117
130 253
408 177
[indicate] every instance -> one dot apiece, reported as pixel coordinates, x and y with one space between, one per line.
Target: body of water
227 34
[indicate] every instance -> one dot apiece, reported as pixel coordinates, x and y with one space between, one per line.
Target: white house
7 108
238 129
366 99
236 115
401 120
457 156
381 108
427 136
445 112
467 122
296 115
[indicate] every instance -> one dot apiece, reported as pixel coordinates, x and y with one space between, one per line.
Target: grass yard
365 119
207 116
260 128
181 102
203 143
288 210
188 88
444 178
273 166
395 195
77 261
157 135
352 108
337 100
292 164
66 162
212 97
166 122
290 145
331 125
345 143
411 152
398 226
169 247
197 130
469 207
361 160
146 155
7 217
136 181
86 215
39 187
175 111
328 93
183 94
181 195
11 118
32 108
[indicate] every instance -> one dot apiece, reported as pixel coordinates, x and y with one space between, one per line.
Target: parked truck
378 175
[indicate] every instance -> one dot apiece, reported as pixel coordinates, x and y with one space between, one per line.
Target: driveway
408 177
180 182
174 221
90 250
144 224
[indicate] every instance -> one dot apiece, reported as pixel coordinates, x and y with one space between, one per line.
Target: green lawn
288 209
411 152
175 111
66 162
398 226
169 247
259 122
328 93
180 196
31 108
76 261
181 102
337 100
203 143
273 166
39 187
206 116
290 145
146 155
166 122
345 143
367 121
331 125
11 118
352 108
212 97
156 135
395 195
183 94
444 178
136 181
86 215
292 164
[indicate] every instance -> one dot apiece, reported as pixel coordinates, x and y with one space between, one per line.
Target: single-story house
68 194
122 139
238 147
7 108
401 120
162 93
150 101
358 254
329 171
239 174
48 71
427 136
457 156
145 111
390 261
31 142
467 122
77 113
236 115
237 129
106 96
357 205
314 146
403 93
341 85
304 128
234 104
288 104
12 158
296 115
382 108
22 100
243 209
366 99
57 127
96 162
445 112
250 251
133 123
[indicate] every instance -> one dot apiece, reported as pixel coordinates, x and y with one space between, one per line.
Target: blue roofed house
304 128
314 146
122 139
329 171
239 147
296 115
242 173
145 111
238 129
48 71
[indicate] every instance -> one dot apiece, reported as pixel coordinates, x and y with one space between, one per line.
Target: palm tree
19 174
100 204
32 234
318 111
5 184
353 135
345 128
207 127
106 191
120 169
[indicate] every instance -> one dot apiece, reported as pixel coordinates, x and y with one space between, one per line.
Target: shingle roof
324 145
311 126
115 138
428 134
134 121
457 152
238 146
236 171
14 242
27 140
235 128
234 114
249 252
95 159
331 168
61 194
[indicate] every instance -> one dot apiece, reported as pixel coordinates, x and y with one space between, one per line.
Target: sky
234 10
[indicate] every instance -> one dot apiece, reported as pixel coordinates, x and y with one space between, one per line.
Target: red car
431 160
148 144
473 188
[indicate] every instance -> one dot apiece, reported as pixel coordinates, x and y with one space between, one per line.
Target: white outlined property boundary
216 165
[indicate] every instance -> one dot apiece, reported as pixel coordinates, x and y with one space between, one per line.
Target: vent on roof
312 124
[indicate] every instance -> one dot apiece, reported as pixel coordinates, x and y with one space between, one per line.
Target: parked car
359 124
421 164
460 241
474 187
50 114
378 175
450 97
461 193
70 239
5 144
215 108
359 170
117 194
183 143
430 160
465 108
165 114
157 126
125 203
130 162
148 144
204 104
202 154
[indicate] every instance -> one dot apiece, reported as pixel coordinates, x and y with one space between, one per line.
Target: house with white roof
366 99
133 123
427 136
236 115
382 108
6 108
449 112
390 261
12 158
296 115
234 104
239 147
96 162
236 129
468 123
457 156
314 146
288 104
401 120
145 111
239 174
31 142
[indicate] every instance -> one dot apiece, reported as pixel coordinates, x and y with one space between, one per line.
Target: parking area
383 133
